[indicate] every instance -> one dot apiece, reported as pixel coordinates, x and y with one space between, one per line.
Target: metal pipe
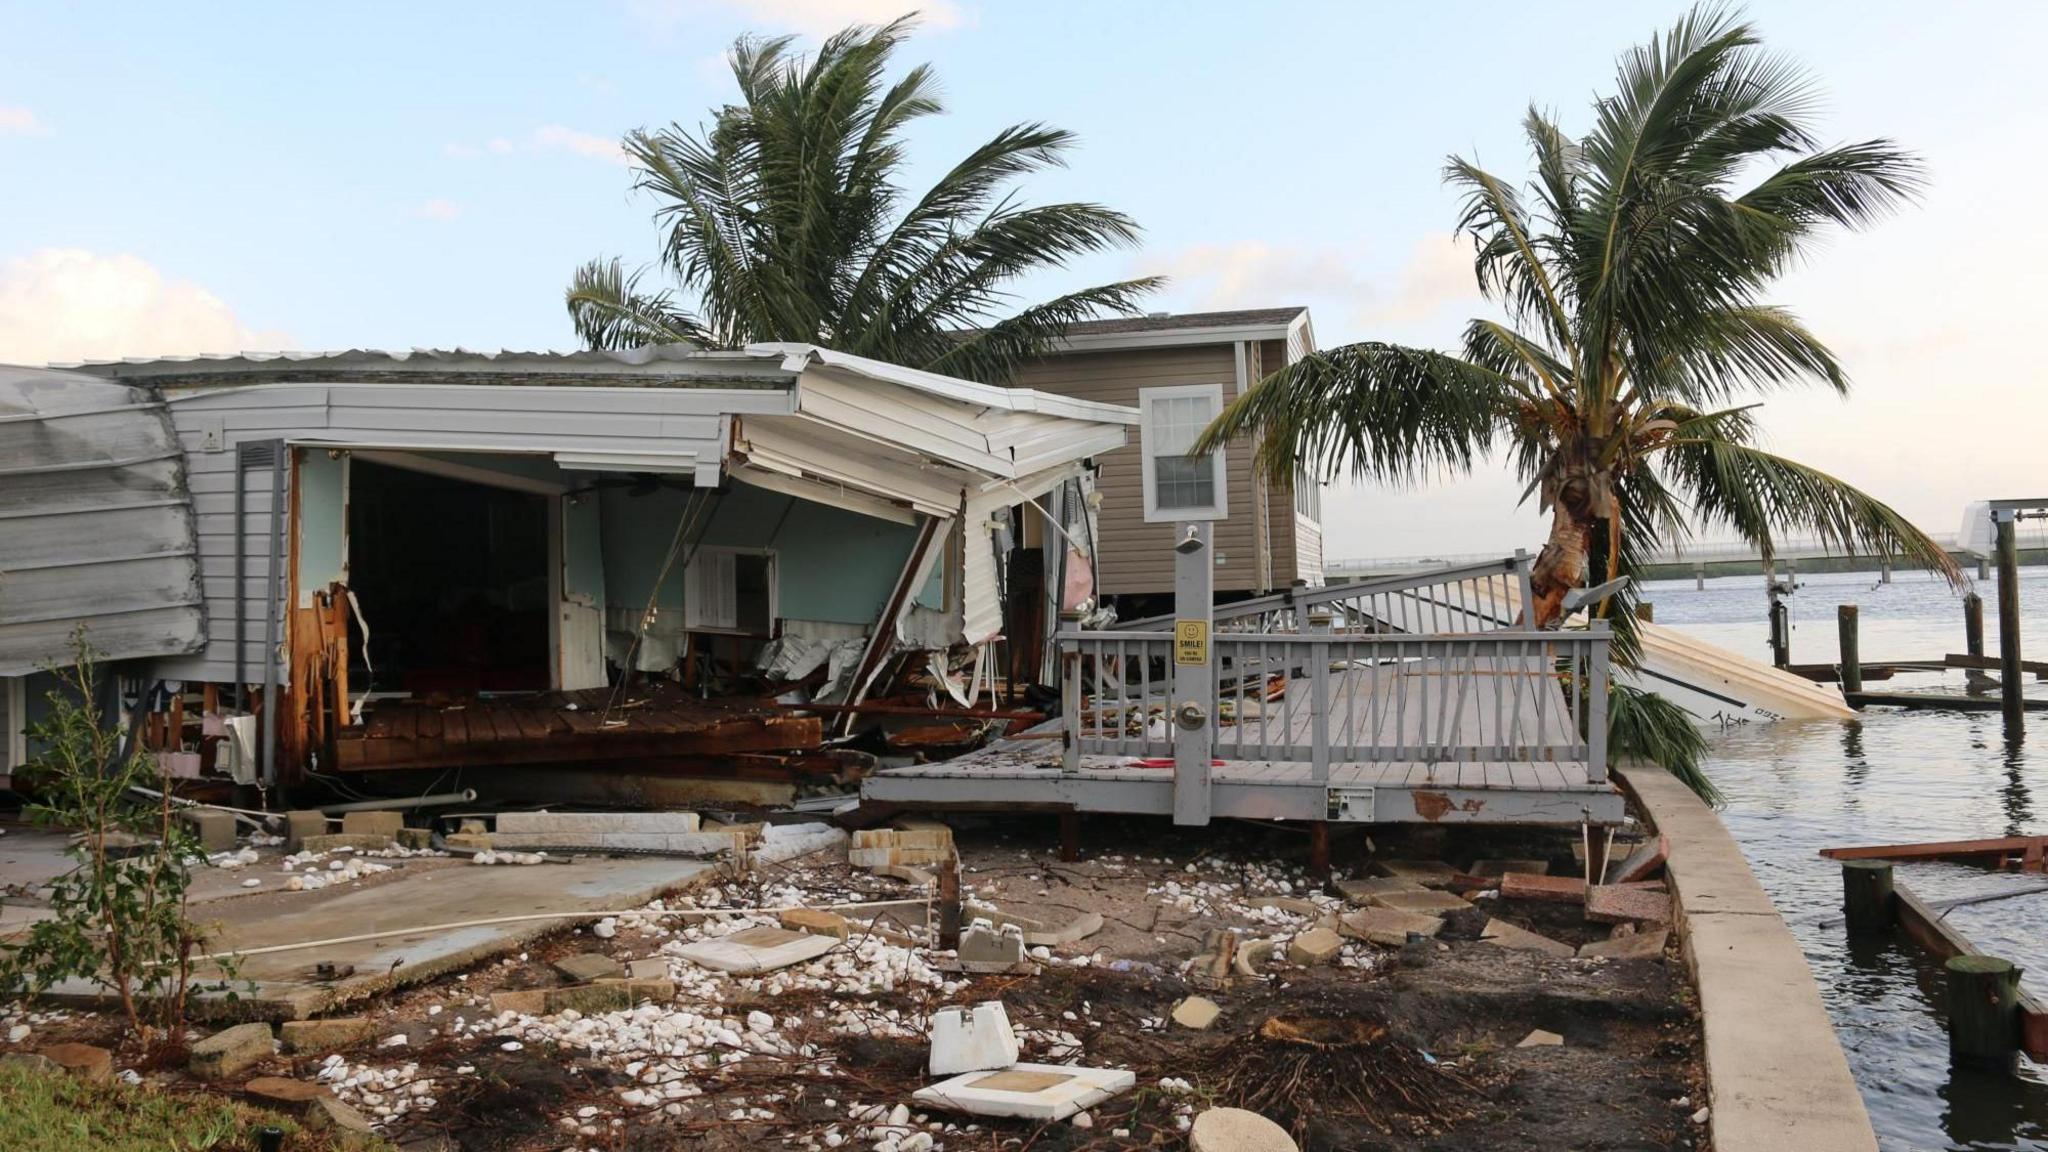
402 804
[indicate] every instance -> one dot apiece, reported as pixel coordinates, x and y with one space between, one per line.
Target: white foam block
1030 1091
757 950
972 1042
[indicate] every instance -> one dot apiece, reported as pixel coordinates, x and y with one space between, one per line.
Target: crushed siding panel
96 526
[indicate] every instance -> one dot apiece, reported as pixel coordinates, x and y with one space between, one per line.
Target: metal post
1596 703
2009 682
1852 658
1194 680
1070 690
273 585
1319 697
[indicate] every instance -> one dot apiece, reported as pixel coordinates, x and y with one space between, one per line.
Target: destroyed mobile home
663 565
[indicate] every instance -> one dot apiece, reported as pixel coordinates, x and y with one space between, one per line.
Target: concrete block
468 841
1506 935
1029 1091
81 1060
1387 927
1633 946
584 967
417 839
1315 946
757 950
589 824
972 1040
214 828
231 1052
1614 904
523 1001
284 1095
1196 1013
1421 900
1236 1130
986 948
1551 889
1494 869
606 996
879 847
319 1037
345 1126
650 968
1541 1039
1641 864
385 824
354 841
1428 873
1362 891
817 923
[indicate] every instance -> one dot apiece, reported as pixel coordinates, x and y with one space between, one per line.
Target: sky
227 177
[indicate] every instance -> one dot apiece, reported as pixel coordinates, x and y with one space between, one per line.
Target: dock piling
1983 1012
1973 624
1852 658
1867 898
2010 683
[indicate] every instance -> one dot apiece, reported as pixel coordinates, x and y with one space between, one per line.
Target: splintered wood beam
2029 847
1928 929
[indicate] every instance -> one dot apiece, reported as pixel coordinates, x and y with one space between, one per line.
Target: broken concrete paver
1315 946
1541 1039
1428 873
1029 1091
1507 935
1236 1130
523 1001
972 1040
1363 890
1039 933
755 950
816 923
1641 864
385 824
319 1037
1196 1013
584 967
648 968
1422 900
81 1060
1614 903
1494 869
231 1052
284 1094
1552 889
1387 927
1631 946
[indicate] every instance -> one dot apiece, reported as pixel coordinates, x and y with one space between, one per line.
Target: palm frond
1375 411
610 312
1645 726
993 353
1756 494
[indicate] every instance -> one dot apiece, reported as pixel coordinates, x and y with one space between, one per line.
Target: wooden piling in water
1867 898
1781 634
1852 657
1973 624
2009 627
1983 1012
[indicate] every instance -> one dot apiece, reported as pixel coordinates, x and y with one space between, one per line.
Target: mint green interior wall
583 549
323 519
830 564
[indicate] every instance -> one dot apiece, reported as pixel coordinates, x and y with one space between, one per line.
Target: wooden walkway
563 728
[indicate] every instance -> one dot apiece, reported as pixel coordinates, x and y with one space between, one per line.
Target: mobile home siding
1137 557
212 422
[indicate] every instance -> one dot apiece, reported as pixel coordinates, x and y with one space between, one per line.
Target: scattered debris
1197 1013
1629 946
1387 927
1315 946
1541 1039
1031 1091
1236 1130
975 1040
760 949
1301 1068
1508 935
1615 903
1531 886
1420 900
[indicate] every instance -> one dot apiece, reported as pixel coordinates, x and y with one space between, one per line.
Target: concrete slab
1387 927
1237 1130
1541 1039
1533 886
1506 935
754 950
1641 864
1424 872
1030 1091
1615 904
1361 891
1423 900
1493 869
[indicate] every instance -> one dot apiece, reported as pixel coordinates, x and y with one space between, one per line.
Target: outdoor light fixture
1190 543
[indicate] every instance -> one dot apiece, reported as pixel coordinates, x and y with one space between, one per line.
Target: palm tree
785 220
1631 271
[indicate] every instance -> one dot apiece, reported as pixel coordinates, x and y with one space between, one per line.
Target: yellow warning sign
1190 643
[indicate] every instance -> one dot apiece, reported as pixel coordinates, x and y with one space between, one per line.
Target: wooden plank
1940 849
1930 701
1927 928
455 725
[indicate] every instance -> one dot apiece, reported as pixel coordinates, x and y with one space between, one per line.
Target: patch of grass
55 1112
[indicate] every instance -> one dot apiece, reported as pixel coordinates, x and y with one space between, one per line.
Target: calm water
1794 788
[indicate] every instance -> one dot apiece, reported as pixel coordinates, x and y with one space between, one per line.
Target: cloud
1336 282
544 139
18 121
59 305
438 209
812 17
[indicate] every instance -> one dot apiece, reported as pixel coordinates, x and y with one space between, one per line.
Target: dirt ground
1385 1050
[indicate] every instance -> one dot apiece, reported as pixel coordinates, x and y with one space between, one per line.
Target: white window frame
693 604
1148 398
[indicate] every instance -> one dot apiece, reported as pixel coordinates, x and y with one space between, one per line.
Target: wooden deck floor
565 727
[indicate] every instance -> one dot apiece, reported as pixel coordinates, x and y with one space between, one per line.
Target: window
1308 497
730 590
1178 486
